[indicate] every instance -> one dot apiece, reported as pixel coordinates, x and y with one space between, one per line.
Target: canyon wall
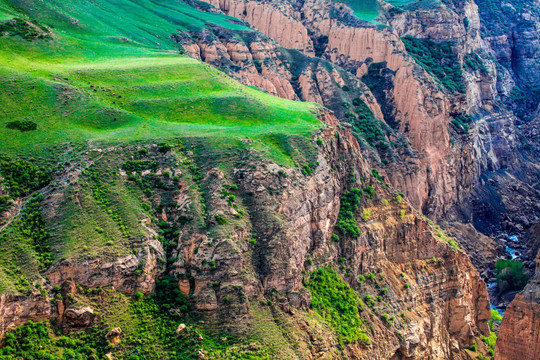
432 286
519 337
486 177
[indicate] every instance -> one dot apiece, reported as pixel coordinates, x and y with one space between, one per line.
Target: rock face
519 336
119 273
16 310
294 223
440 171
317 51
431 285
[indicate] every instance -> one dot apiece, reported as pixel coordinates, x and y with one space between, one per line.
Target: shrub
495 318
511 275
472 347
22 125
349 204
258 66
490 340
368 299
334 300
460 123
474 63
22 177
438 59
164 148
308 168
220 219
376 175
366 215
368 190
5 203
335 237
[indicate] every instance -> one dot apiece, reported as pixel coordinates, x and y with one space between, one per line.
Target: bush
461 122
5 203
349 204
474 63
511 275
438 59
220 219
164 147
495 318
338 304
22 125
22 177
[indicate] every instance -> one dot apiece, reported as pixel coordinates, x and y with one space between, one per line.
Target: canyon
410 189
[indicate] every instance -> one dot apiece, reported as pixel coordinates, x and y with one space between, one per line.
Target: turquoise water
364 9
368 10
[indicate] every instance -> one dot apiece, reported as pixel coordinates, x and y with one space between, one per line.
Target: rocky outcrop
519 336
248 56
119 273
418 109
17 309
281 26
293 217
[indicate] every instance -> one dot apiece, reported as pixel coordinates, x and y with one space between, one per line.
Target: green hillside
79 75
85 87
100 77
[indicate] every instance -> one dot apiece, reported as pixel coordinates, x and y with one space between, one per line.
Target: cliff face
438 176
235 231
448 175
434 294
414 105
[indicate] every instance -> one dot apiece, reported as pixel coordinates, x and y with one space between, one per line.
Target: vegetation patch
22 177
31 227
473 62
367 126
24 29
461 123
21 125
346 223
439 60
510 275
338 304
496 318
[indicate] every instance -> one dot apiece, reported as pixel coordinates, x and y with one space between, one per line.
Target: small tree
511 275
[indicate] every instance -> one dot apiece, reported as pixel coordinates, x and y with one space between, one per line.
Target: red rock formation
519 336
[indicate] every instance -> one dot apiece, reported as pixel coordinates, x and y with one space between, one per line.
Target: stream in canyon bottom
514 254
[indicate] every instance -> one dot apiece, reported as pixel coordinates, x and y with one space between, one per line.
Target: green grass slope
110 72
76 75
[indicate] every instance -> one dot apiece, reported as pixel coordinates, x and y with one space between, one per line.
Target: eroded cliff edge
436 301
